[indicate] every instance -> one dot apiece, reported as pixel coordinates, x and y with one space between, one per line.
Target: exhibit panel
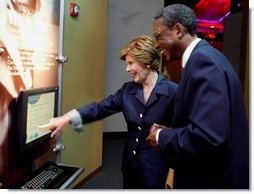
29 83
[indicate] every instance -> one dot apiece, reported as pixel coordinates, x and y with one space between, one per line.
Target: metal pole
60 73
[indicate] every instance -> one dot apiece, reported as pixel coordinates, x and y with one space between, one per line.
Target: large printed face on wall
28 46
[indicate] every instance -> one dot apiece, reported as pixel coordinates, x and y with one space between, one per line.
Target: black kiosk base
52 176
36 107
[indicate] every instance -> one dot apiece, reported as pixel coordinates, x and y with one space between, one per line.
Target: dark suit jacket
209 143
140 160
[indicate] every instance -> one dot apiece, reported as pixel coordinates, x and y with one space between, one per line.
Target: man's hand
151 138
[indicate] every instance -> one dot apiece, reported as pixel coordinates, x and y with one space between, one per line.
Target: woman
146 100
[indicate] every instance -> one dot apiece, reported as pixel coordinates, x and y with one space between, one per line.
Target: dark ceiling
211 10
205 9
210 13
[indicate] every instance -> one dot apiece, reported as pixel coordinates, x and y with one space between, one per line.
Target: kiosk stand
55 175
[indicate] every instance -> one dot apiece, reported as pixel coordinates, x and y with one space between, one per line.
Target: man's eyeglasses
159 34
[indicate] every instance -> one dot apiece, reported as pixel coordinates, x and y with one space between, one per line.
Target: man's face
165 38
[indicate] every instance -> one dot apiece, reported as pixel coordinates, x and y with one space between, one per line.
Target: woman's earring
148 66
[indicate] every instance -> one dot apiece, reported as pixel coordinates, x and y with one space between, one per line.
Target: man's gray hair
179 13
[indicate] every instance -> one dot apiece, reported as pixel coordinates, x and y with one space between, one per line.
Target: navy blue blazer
139 158
208 146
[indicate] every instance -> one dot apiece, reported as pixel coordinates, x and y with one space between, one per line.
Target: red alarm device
74 9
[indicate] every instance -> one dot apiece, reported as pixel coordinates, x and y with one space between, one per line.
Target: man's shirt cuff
157 135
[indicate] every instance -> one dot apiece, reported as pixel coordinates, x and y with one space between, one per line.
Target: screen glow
40 109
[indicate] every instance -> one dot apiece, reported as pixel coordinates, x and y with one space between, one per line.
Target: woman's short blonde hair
142 49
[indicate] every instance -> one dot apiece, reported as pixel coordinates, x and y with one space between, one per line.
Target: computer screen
35 107
40 109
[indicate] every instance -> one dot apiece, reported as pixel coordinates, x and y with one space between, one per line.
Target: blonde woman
148 99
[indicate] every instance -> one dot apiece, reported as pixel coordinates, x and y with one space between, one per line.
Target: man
208 146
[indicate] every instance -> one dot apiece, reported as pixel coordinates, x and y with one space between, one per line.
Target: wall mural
28 47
